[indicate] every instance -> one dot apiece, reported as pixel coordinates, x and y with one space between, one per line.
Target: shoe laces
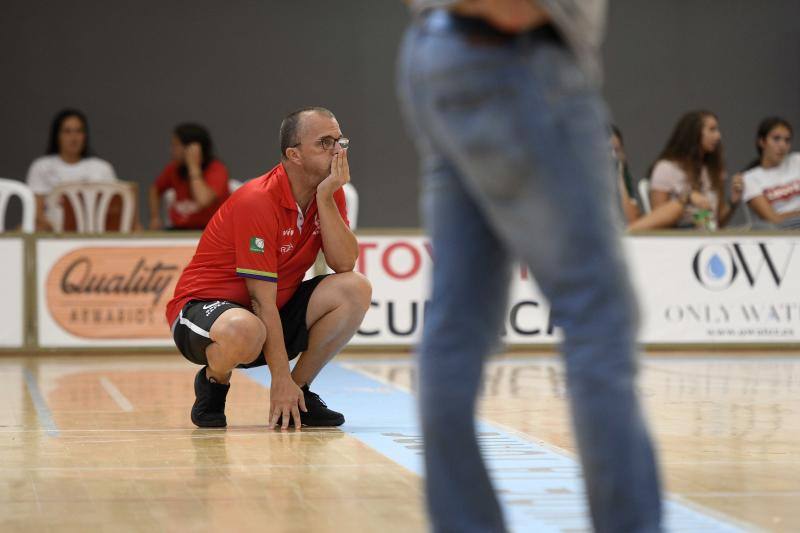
314 397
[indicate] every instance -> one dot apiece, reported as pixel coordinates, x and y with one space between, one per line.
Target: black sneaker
208 410
318 414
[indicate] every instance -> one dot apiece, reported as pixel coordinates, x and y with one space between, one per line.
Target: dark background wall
239 66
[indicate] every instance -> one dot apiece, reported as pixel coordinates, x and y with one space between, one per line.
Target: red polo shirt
215 175
255 234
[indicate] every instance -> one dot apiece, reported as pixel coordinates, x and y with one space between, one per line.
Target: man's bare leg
335 311
238 337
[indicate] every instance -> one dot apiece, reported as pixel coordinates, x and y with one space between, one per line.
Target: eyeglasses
327 143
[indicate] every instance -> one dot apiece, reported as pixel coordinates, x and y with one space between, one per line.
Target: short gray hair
290 126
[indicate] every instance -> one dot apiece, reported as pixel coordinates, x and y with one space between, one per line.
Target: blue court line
540 490
42 411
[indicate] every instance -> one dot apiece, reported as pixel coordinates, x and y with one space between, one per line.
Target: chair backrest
9 188
167 199
644 194
90 202
351 199
233 185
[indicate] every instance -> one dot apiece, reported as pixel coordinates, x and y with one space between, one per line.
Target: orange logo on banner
115 293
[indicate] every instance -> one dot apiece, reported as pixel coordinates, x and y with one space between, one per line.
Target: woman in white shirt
772 182
687 181
68 159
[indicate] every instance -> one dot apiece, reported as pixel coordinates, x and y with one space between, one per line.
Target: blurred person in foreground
199 179
503 103
242 300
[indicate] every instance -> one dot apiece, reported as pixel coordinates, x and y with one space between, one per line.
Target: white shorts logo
209 308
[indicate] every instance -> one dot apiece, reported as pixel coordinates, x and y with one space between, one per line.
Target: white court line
116 395
35 493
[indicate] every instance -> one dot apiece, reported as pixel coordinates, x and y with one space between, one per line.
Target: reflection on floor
105 443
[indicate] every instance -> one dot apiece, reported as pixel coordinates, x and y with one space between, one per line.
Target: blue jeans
516 165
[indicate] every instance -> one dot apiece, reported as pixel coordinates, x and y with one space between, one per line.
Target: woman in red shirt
200 181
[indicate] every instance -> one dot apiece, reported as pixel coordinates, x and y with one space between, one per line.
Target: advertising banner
12 287
724 289
399 268
107 292
697 289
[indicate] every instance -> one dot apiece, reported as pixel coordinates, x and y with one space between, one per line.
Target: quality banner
107 292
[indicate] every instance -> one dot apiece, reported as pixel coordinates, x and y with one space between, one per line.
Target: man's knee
355 290
242 333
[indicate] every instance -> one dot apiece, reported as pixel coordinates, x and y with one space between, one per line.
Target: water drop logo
714 266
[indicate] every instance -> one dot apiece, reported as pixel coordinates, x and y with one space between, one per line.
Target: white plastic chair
9 188
167 199
644 194
90 202
351 199
234 184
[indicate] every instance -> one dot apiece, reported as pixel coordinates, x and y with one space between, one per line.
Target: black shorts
191 329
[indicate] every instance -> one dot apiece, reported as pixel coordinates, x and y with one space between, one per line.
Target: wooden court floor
104 443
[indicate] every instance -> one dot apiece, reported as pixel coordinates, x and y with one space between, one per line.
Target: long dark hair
764 129
188 133
684 149
626 171
55 128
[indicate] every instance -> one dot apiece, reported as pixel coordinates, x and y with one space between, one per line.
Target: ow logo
717 266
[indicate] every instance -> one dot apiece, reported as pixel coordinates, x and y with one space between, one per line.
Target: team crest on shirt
257 245
286 248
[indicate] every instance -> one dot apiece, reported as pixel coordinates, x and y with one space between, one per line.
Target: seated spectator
687 181
772 182
68 159
199 180
624 181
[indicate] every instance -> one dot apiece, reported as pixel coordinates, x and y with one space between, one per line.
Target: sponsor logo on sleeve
257 245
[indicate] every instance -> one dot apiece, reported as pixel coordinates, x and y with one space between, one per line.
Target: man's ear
293 155
762 142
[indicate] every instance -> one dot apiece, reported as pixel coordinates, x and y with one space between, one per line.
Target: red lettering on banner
361 266
416 260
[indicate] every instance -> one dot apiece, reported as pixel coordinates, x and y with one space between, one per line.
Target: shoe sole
207 425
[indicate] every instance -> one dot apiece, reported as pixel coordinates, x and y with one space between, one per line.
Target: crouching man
242 300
